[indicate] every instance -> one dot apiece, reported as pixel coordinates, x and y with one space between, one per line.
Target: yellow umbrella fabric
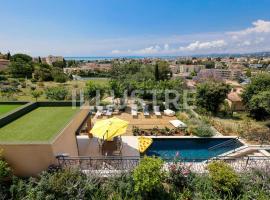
109 128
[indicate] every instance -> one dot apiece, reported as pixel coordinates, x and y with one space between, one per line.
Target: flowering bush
179 173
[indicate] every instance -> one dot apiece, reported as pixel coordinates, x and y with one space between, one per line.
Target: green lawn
7 108
41 124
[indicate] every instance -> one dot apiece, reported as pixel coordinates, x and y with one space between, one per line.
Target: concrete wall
28 159
66 142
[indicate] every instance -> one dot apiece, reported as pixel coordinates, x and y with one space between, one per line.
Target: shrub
256 185
56 93
58 75
5 171
183 116
179 175
3 78
148 176
36 94
62 184
200 128
203 130
122 187
223 177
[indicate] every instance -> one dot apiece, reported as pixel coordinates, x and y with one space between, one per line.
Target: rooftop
41 124
4 109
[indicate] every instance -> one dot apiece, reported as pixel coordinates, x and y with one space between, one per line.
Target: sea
92 58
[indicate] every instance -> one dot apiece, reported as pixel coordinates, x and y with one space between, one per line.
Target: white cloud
251 39
204 45
259 26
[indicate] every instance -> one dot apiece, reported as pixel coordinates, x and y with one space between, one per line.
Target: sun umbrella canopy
109 128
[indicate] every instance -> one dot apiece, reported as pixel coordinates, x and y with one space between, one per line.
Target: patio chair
109 110
134 110
99 111
119 146
145 111
100 145
156 111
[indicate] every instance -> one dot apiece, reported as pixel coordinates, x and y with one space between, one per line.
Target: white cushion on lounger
169 112
177 123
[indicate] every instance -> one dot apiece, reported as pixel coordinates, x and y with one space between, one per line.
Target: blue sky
134 27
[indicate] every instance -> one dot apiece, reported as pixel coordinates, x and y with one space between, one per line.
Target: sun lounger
134 110
169 112
156 111
145 111
178 124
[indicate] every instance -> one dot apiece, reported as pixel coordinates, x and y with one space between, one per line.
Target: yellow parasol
109 128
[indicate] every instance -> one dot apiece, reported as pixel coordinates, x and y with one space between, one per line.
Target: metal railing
100 165
224 144
110 165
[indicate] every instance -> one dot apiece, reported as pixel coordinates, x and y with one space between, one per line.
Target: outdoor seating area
143 120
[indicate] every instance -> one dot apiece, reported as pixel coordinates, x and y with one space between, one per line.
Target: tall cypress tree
156 72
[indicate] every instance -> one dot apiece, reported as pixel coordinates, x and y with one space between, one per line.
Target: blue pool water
191 148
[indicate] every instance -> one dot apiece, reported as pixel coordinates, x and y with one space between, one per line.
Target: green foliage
221 183
43 72
148 175
36 94
5 171
248 73
256 96
203 130
211 95
122 186
56 93
162 70
259 105
117 87
21 58
58 75
223 177
200 128
256 185
20 69
3 78
60 185
179 175
59 64
209 64
92 88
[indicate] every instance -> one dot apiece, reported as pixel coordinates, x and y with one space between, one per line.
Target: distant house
86 67
234 99
190 68
4 64
51 59
256 66
174 69
222 73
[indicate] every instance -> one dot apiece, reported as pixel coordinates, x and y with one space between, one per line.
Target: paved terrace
141 121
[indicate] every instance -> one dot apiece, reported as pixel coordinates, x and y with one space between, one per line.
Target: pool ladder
224 144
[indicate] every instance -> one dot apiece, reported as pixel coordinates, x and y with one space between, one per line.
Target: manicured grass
41 124
7 108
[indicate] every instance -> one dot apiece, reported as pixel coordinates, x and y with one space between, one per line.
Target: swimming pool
191 148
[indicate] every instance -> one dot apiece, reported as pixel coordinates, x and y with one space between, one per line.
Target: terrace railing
103 166
230 142
107 166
